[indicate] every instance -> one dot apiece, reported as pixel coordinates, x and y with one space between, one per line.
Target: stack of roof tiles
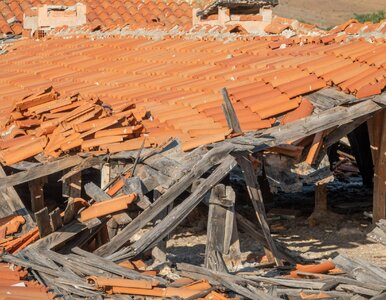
52 125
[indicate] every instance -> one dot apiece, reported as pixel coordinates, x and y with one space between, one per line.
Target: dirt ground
326 13
342 231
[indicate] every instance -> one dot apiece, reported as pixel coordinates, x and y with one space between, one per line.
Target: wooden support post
321 208
377 134
43 222
222 238
36 188
216 229
257 202
72 186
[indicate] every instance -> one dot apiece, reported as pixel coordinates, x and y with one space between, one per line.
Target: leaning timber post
377 134
256 197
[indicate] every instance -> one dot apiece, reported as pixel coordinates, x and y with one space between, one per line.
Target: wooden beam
36 189
40 171
377 134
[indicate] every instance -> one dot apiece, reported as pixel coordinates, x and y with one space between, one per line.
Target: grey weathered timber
43 222
63 235
229 112
312 284
179 213
10 203
96 193
216 235
213 157
109 266
27 264
356 289
257 201
361 270
40 171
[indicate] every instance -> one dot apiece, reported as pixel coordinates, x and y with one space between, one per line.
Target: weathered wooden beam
210 159
63 235
40 171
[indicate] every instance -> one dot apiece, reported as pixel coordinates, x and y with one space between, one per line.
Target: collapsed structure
165 107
